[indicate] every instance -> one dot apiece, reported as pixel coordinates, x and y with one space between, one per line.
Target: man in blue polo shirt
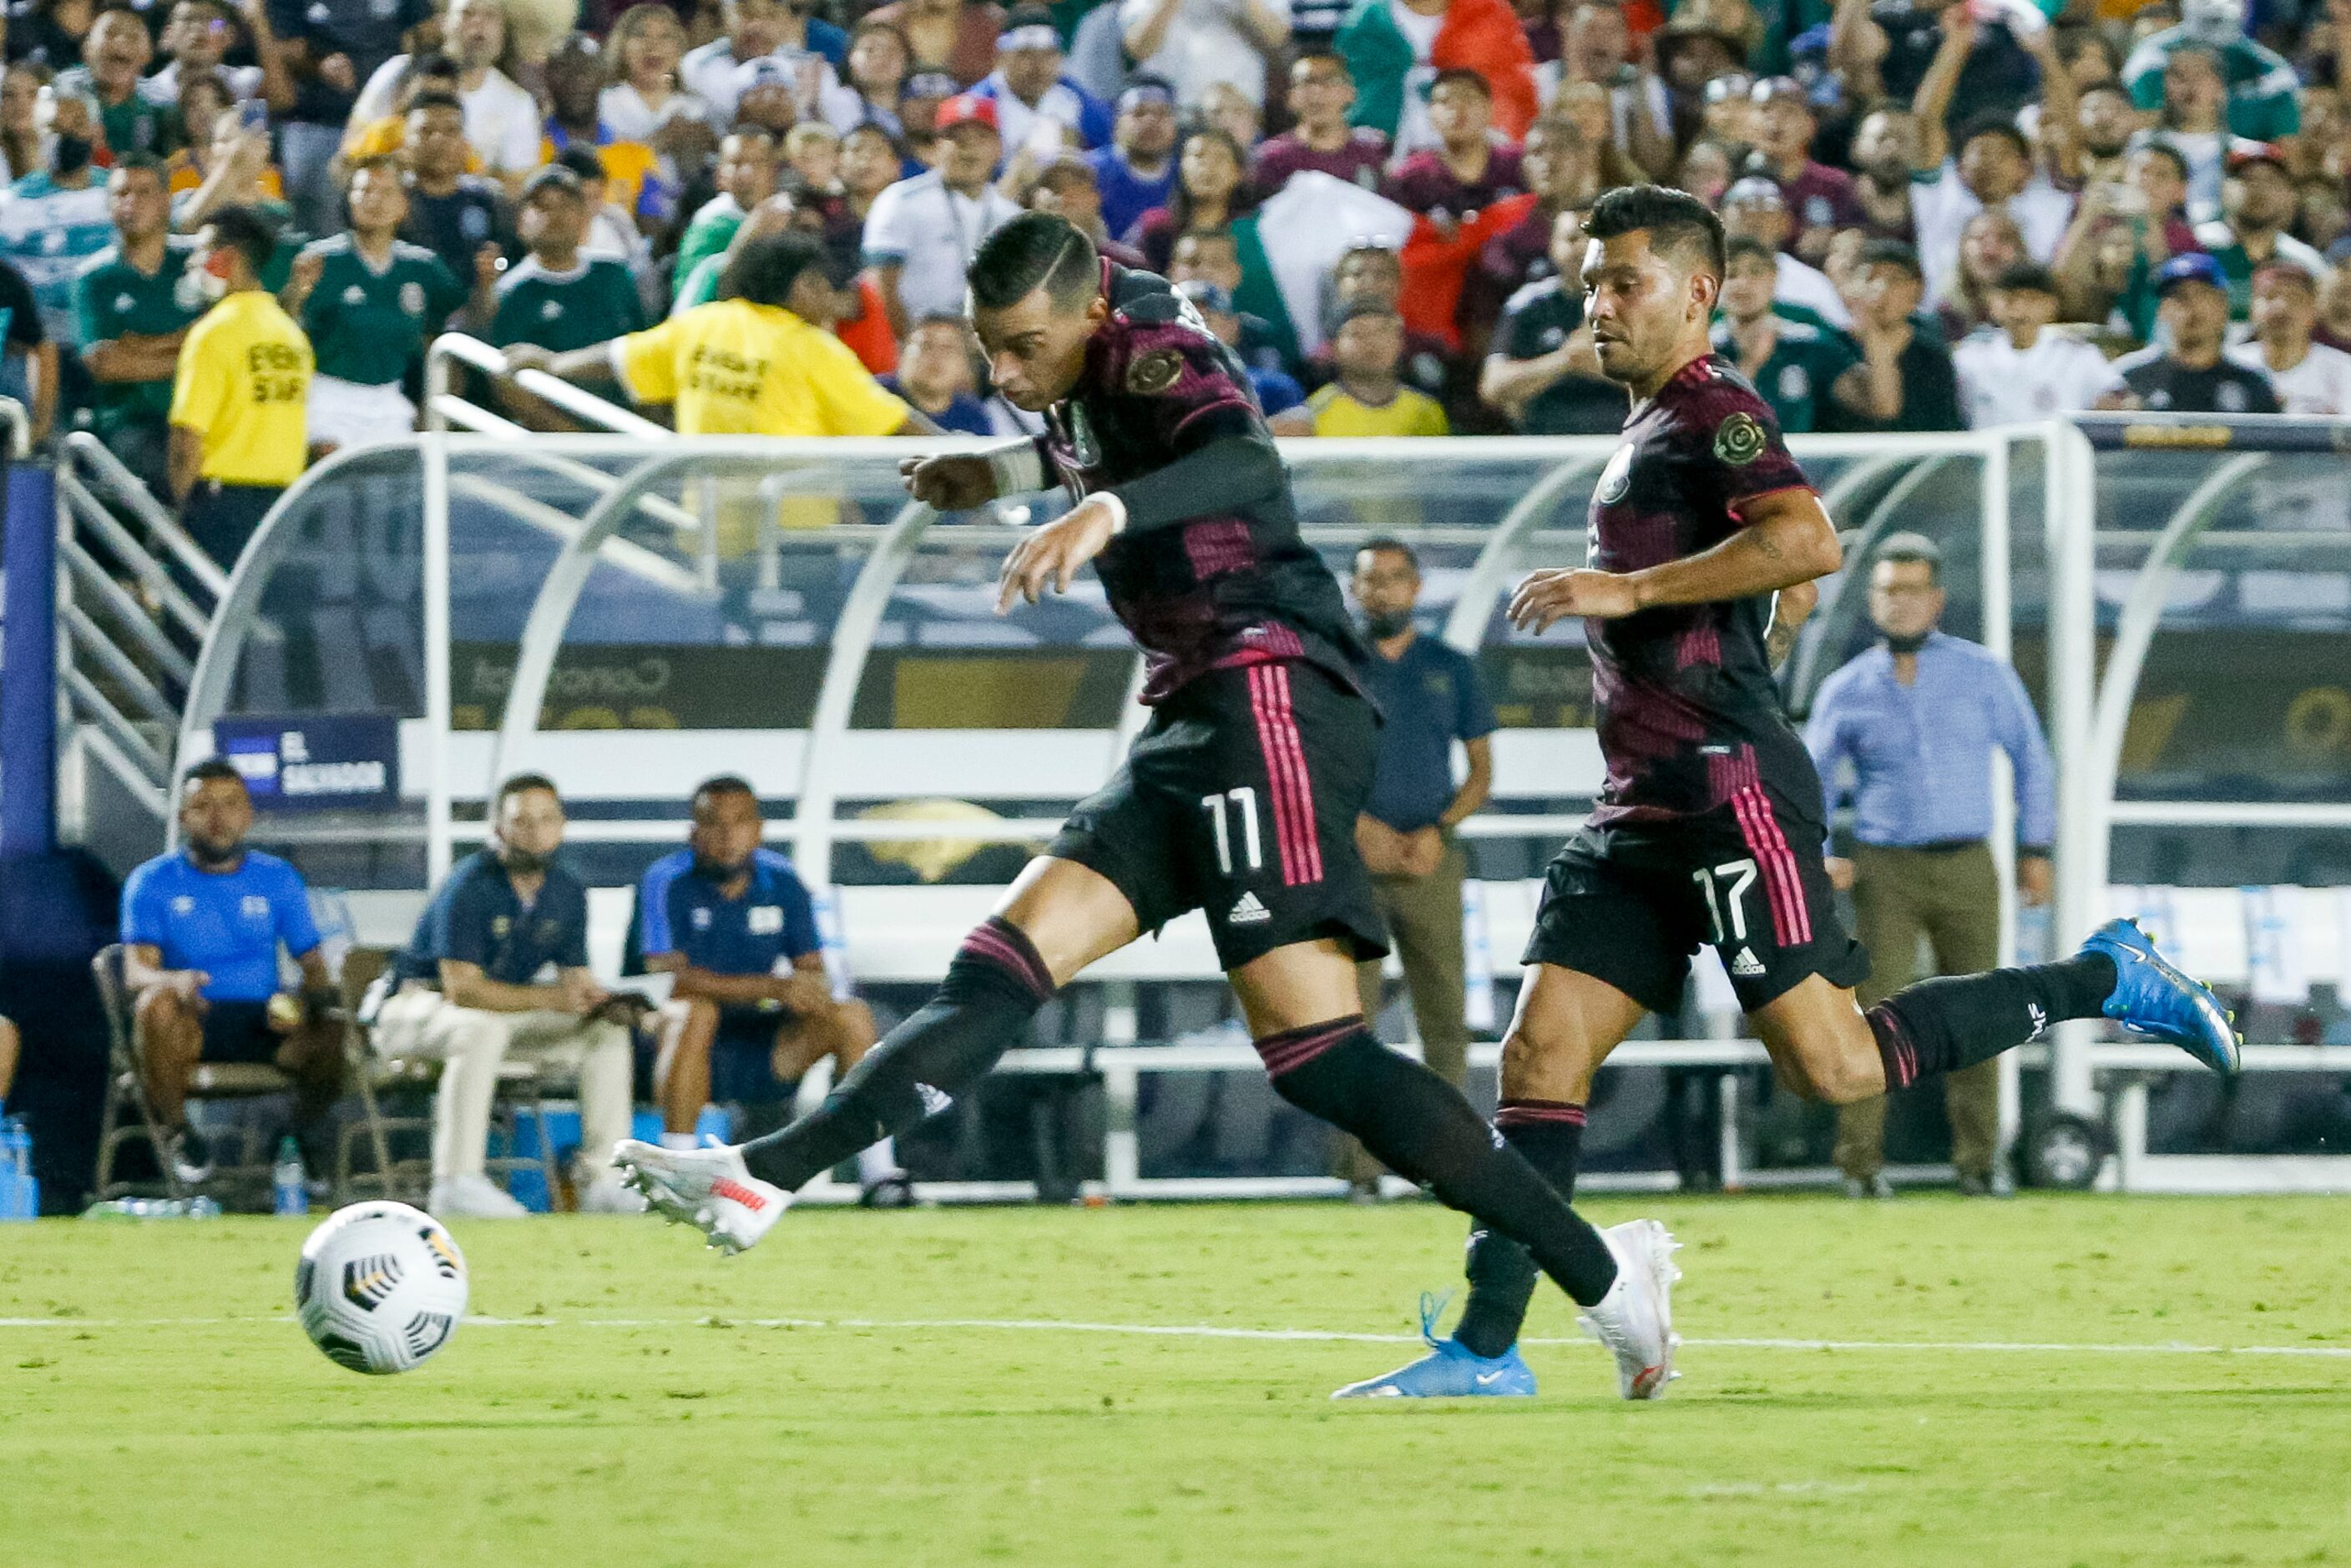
200 931
1431 697
734 925
499 965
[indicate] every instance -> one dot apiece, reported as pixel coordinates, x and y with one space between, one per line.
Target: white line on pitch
1209 1331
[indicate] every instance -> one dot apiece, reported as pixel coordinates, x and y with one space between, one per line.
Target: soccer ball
380 1288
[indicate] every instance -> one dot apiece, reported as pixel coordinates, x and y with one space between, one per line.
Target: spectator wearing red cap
2257 205
922 233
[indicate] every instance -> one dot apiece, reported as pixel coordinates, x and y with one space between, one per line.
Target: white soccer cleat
708 1188
1635 1319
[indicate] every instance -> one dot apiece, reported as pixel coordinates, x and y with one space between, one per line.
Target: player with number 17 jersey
1711 798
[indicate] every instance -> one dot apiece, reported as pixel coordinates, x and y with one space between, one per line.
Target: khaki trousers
417 1022
1951 897
1424 921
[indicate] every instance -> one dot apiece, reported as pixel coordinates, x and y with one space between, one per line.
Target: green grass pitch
881 1388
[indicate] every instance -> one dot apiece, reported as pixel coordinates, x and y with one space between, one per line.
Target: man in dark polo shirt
1909 382
751 1007
1431 697
2185 371
498 966
1542 371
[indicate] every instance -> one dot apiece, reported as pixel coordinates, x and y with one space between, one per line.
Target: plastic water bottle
290 1183
20 1196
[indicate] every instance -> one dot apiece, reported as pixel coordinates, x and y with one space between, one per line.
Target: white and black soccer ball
380 1287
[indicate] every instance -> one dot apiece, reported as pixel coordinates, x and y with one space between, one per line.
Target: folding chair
410 1178
125 1086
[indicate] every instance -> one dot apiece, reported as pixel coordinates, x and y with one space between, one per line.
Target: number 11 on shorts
1243 803
1739 876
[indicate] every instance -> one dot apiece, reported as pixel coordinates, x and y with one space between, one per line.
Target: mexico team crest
1154 371
1616 478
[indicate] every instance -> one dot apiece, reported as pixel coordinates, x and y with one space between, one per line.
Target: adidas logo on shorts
1249 911
1746 966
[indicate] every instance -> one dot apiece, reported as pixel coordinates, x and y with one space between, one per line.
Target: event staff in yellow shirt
752 362
240 433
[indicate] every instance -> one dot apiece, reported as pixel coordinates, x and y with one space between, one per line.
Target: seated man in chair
498 967
200 931
735 927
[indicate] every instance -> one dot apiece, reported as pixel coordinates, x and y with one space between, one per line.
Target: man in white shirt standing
2020 369
1754 209
2309 378
1994 164
922 233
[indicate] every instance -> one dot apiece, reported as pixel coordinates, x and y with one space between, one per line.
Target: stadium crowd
1943 212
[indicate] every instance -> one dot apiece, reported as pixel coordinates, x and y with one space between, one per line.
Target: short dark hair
146 162
1388 544
1993 125
246 231
210 768
1035 250
1325 59
1068 170
434 64
2170 150
1911 550
434 100
582 160
764 270
2029 275
1891 253
521 783
724 784
1462 76
1750 249
1675 220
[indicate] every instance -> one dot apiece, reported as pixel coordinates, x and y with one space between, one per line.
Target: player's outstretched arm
1788 539
958 481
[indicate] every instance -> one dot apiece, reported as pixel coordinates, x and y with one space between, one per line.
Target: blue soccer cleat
1450 1371
2155 998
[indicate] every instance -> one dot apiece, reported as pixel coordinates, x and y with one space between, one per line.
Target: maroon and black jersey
1210 572
1689 712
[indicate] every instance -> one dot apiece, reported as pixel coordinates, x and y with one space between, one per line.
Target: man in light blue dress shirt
1917 719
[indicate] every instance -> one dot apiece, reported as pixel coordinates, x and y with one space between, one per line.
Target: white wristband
1116 508
1016 467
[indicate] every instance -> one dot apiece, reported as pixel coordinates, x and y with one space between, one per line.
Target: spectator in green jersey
369 301
1799 366
130 316
557 299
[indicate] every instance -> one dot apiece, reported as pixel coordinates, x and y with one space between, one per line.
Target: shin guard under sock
1942 1025
994 986
1418 1126
1550 1134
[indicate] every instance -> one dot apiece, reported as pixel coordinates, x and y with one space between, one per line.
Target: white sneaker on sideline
1635 1319
472 1198
608 1194
709 1188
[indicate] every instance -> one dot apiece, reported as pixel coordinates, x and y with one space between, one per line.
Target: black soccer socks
994 986
1942 1025
1419 1125
1550 1134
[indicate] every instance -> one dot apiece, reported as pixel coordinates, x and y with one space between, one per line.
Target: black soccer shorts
1240 797
239 1031
1629 902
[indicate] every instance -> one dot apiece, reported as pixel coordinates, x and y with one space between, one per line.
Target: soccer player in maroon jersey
1710 825
1240 797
